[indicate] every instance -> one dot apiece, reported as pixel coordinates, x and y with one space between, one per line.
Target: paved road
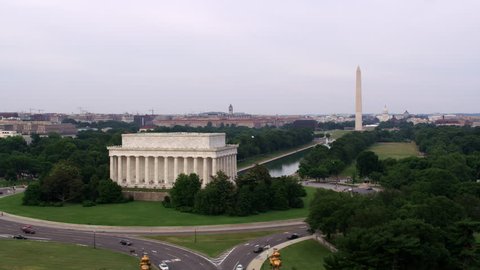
176 257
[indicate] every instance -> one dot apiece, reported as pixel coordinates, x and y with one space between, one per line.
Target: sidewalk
256 264
158 229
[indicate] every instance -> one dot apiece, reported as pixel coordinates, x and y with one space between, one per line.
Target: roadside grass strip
145 213
33 255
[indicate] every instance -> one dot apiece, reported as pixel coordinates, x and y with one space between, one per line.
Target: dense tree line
88 154
426 216
255 191
253 141
321 161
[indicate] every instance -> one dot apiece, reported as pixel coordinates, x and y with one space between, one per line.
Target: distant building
230 109
305 124
384 117
8 133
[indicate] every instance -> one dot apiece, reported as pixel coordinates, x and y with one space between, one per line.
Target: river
287 165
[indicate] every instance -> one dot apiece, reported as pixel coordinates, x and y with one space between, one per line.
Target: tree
217 197
33 194
109 192
63 183
399 244
183 192
367 162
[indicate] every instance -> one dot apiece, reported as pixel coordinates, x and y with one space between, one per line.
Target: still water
287 165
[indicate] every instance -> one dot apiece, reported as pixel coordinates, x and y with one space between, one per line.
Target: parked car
19 236
125 242
257 249
292 236
239 267
28 229
163 266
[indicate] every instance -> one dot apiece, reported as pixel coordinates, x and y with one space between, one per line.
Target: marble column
111 169
155 173
175 168
147 172
137 170
214 166
120 168
195 165
205 172
185 165
129 174
165 170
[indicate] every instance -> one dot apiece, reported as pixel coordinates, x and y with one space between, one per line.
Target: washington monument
358 100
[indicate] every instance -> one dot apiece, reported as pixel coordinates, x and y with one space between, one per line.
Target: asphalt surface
176 257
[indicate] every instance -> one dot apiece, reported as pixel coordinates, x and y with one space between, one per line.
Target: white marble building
154 160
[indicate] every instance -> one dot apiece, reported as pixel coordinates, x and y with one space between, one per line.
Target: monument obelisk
358 100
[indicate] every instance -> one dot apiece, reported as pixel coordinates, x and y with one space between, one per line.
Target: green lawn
387 150
337 133
31 255
306 255
395 150
145 213
211 245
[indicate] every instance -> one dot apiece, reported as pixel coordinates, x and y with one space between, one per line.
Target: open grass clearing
396 150
31 255
212 245
306 255
144 213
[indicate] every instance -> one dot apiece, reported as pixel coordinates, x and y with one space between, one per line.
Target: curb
154 229
256 264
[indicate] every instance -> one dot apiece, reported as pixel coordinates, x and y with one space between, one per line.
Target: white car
239 267
163 266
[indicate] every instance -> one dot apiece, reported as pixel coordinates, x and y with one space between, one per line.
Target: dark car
292 236
257 249
125 242
28 229
19 236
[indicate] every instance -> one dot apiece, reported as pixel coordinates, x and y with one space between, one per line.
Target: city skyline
264 58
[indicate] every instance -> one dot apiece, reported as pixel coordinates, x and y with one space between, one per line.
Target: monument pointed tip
358 67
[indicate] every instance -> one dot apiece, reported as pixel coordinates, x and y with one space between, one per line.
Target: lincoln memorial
154 160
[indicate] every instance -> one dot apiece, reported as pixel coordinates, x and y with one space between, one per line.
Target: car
125 242
163 266
239 267
292 236
19 236
257 249
28 229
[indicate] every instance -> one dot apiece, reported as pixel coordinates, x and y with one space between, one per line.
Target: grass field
387 150
31 255
211 245
145 213
306 255
395 150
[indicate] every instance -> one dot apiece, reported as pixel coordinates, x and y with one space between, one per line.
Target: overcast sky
264 57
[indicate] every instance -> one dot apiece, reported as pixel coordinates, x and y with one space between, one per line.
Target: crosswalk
219 260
